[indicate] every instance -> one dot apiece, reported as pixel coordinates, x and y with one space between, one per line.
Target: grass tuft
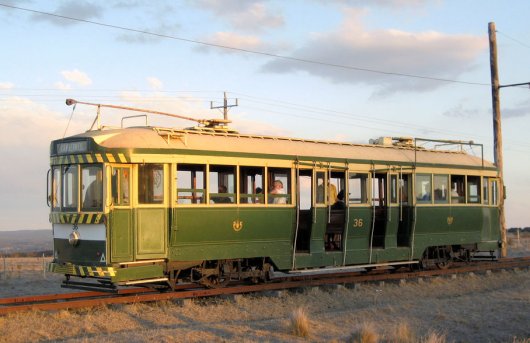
521 340
367 334
434 337
404 334
300 324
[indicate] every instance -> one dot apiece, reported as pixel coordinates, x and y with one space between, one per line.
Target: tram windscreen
92 188
70 188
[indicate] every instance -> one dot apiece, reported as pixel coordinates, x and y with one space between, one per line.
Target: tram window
306 177
393 189
321 193
404 188
91 188
458 190
120 186
441 189
56 189
70 188
357 186
379 194
485 190
473 189
222 184
494 192
191 187
279 181
336 185
251 185
423 188
151 183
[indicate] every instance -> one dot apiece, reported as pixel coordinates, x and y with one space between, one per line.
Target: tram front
76 191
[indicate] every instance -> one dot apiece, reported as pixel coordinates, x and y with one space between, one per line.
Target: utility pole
497 130
225 106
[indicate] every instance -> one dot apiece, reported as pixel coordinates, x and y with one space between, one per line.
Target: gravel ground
471 308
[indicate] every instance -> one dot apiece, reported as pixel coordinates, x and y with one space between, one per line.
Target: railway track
186 291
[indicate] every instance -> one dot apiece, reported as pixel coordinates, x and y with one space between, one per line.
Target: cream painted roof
153 138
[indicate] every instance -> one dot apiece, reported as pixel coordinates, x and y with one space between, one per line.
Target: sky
340 70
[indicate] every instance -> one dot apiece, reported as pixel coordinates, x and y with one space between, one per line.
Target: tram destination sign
76 147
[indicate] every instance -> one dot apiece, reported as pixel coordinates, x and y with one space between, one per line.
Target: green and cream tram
148 205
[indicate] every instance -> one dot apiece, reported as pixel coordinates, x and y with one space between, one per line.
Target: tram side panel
214 233
455 225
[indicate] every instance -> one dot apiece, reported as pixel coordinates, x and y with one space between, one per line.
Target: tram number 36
357 222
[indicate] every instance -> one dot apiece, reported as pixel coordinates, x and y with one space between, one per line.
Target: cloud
235 40
143 38
250 15
430 54
76 76
6 85
21 118
155 83
459 111
62 86
83 10
26 130
522 110
381 3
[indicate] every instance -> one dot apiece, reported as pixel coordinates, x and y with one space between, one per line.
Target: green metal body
173 233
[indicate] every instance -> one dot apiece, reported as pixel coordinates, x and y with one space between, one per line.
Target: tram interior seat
334 230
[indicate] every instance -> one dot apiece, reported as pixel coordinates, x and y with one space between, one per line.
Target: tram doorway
305 208
121 248
336 211
151 216
406 211
379 209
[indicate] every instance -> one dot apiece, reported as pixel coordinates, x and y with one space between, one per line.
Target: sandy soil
473 308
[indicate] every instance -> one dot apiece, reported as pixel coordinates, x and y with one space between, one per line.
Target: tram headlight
74 238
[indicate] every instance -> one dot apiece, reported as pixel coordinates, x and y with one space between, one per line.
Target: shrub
300 323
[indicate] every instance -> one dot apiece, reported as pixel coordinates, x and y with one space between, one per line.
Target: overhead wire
513 39
316 110
262 53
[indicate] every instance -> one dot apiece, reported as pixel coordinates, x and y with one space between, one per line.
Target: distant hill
26 241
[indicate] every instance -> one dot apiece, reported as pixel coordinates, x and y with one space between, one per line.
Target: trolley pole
497 130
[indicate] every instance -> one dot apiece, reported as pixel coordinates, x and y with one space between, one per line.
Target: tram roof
153 138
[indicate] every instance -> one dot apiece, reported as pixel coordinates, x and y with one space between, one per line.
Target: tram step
88 286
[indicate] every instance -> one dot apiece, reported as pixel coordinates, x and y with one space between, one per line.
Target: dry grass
402 333
518 245
366 334
434 337
482 308
300 324
16 267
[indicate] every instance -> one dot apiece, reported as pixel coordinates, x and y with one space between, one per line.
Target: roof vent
381 141
403 141
393 141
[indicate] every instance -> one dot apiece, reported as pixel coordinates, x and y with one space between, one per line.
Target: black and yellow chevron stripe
90 158
77 218
75 270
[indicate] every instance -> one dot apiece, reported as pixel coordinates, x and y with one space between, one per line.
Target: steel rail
92 299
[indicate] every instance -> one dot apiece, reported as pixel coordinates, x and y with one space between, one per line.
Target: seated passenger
339 204
222 199
277 188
